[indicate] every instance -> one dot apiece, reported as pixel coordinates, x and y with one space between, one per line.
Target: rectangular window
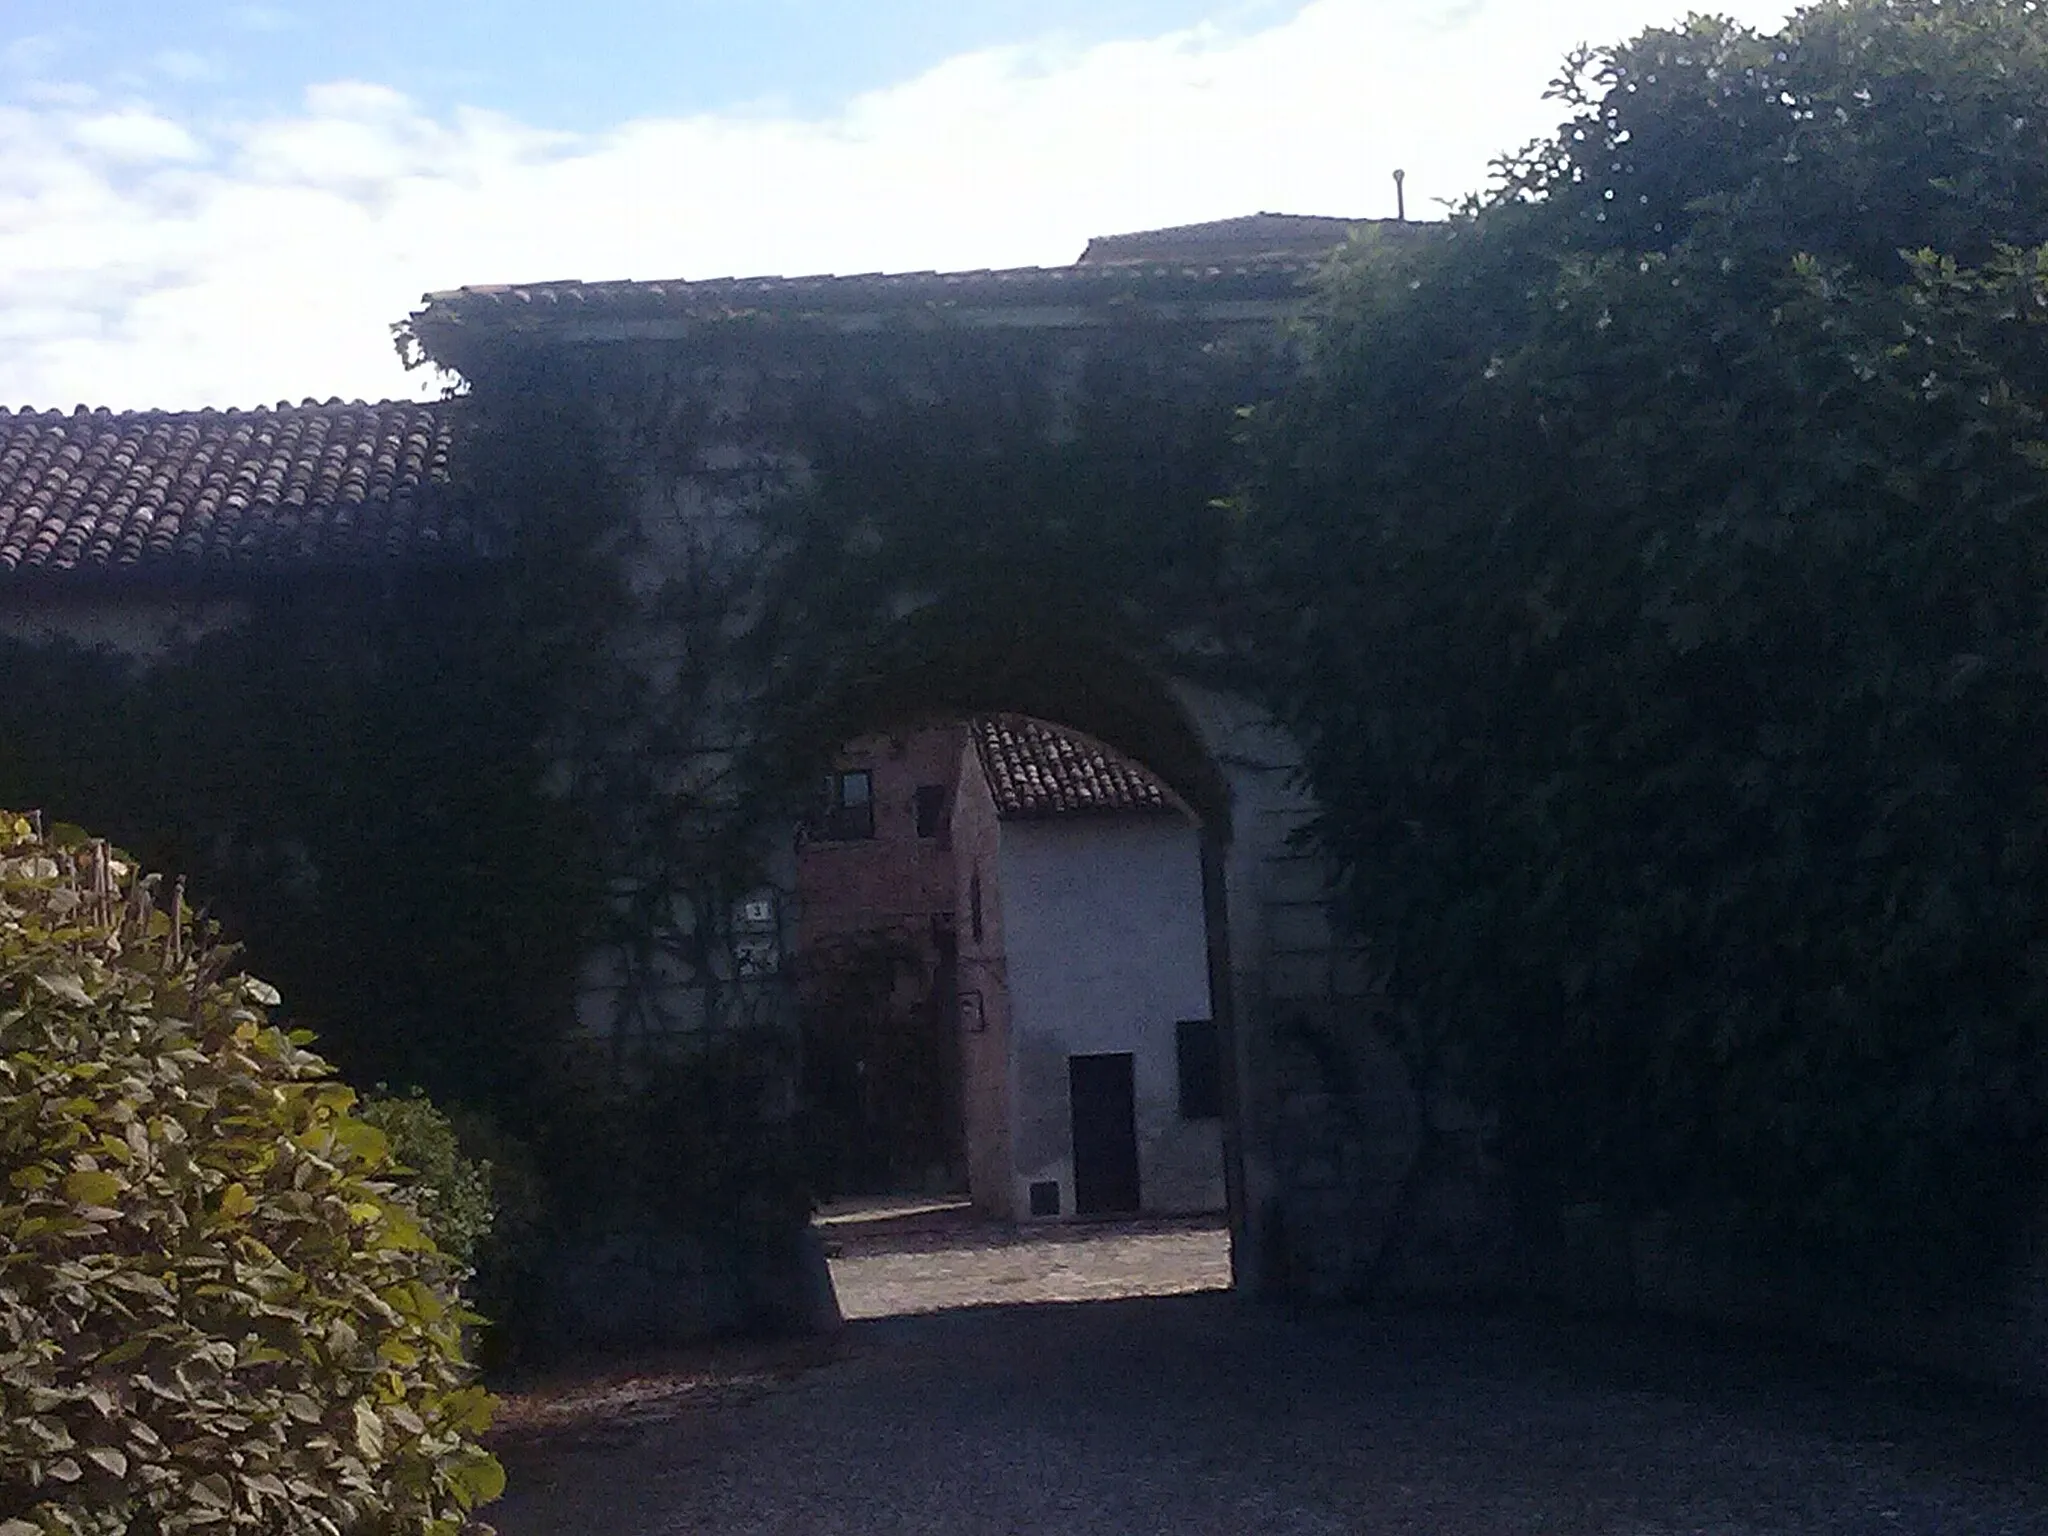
849 806
974 905
1200 1052
931 810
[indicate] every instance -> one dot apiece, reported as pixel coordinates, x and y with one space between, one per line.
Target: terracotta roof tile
1036 769
148 493
1262 256
544 306
1256 237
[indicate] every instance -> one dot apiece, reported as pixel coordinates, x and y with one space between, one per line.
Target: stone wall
644 1288
1670 1265
984 997
139 628
1347 1182
710 438
1328 1127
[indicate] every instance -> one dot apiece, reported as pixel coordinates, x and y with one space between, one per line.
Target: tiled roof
1260 257
177 493
1036 769
547 306
1255 237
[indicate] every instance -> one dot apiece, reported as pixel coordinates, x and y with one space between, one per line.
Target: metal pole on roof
1400 197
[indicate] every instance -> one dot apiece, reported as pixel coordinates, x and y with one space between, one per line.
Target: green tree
1663 551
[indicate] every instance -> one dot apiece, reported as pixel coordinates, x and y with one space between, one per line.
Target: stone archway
1320 1131
834 502
1090 696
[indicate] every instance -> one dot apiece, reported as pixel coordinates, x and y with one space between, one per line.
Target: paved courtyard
994 1385
891 1260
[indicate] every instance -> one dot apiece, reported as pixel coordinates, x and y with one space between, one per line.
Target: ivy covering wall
350 780
488 827
1650 566
393 787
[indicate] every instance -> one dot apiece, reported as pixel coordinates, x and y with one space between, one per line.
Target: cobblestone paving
1196 1413
935 1259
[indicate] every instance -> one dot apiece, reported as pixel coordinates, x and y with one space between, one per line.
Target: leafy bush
1657 553
489 1207
453 1191
217 1312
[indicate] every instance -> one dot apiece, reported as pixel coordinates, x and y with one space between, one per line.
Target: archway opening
1010 944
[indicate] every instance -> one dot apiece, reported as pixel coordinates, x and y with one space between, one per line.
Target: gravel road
1196 1413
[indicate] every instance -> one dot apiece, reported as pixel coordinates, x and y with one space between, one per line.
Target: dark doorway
881 1062
1105 1133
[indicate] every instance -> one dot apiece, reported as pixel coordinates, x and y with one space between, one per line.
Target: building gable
1035 769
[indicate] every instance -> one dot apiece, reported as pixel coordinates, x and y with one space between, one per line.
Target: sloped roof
161 494
1244 268
139 494
1037 769
1254 237
571 304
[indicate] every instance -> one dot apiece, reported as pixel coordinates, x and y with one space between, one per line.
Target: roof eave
57 587
1176 813
599 331
1032 299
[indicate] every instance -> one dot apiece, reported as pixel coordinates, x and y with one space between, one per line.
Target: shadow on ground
1201 1413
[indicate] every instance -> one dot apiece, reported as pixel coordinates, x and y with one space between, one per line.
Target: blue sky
228 202
578 67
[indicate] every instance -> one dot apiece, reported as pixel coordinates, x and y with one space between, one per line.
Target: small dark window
849 806
931 810
1200 1052
974 905
1045 1198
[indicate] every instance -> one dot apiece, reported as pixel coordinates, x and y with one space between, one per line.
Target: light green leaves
91 1188
476 1479
214 1310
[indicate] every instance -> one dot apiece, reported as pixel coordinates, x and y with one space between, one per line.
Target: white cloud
147 262
187 66
134 137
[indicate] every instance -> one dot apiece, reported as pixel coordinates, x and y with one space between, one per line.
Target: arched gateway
836 504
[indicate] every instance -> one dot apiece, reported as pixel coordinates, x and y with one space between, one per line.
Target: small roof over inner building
1036 769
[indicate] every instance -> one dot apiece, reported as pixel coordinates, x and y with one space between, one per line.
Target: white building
1089 1055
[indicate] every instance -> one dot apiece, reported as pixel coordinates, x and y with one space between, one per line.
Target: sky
229 202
